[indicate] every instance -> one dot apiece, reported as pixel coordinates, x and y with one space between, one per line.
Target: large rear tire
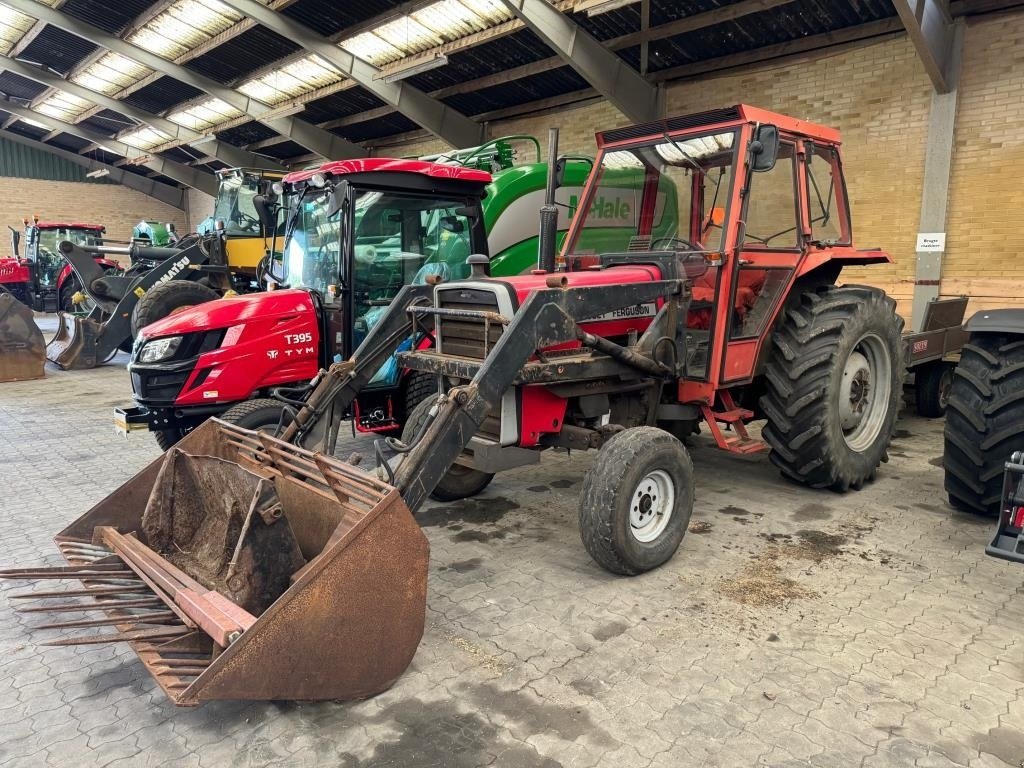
636 501
984 421
167 298
459 482
834 382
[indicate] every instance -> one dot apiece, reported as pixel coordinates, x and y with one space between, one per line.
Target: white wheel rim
864 392
651 505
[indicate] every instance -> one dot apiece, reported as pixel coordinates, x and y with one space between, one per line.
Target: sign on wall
931 242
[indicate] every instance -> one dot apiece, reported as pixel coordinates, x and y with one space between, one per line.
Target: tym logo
605 210
173 272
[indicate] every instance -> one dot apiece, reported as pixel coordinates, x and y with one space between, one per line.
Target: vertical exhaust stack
547 242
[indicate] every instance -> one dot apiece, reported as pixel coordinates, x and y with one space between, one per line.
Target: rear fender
841 257
1002 321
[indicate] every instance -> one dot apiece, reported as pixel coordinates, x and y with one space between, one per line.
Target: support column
938 160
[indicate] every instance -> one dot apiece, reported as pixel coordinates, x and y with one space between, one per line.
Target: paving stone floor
793 627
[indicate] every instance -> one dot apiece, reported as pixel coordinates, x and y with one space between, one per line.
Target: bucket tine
86 592
97 606
137 618
132 636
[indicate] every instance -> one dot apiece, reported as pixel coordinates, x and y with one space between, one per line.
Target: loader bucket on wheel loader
238 566
21 342
74 346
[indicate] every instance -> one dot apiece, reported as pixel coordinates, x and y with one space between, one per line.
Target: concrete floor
793 627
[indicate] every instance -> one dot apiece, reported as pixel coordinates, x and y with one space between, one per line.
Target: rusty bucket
238 566
73 348
22 355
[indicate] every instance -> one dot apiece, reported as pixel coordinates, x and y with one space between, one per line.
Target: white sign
931 242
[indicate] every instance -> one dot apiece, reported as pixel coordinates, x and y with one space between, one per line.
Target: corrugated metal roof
341 104
110 73
19 87
13 26
388 125
108 122
242 55
112 16
69 142
183 26
522 91
285 150
328 17
437 23
59 50
246 133
30 163
293 79
161 94
522 47
144 138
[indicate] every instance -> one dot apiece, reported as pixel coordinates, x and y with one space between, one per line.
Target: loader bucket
21 342
74 346
238 566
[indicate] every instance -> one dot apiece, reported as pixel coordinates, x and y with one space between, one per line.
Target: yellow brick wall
984 258
879 96
118 208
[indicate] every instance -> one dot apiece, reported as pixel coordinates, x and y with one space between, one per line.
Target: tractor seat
750 284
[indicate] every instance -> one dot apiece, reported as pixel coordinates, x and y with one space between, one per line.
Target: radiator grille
466 338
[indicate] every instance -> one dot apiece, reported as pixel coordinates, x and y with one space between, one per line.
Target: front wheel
834 380
636 501
263 414
931 389
459 482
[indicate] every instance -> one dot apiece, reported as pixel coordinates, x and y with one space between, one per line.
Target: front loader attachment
21 342
74 347
238 566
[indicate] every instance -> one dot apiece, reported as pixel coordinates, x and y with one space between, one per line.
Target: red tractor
42 279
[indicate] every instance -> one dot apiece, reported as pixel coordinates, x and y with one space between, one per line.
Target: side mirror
559 172
265 206
15 240
470 212
764 148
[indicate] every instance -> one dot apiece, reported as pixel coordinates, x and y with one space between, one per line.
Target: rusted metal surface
22 350
327 556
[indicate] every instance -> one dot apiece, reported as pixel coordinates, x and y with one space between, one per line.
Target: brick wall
117 207
200 205
983 253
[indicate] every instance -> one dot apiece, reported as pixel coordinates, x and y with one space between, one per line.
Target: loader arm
547 318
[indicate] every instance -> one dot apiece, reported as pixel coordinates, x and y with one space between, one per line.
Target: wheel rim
865 392
945 382
651 505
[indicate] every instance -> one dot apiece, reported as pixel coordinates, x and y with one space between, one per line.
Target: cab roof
740 113
392 165
70 225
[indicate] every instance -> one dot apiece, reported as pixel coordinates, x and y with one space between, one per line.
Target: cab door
768 255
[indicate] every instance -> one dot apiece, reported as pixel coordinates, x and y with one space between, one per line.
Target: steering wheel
673 244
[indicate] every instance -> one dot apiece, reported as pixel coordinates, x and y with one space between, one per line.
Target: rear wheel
165 299
636 501
459 482
834 381
418 387
985 420
931 389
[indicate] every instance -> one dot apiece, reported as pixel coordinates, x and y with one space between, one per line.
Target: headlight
159 349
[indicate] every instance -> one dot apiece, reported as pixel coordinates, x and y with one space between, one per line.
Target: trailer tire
984 421
636 501
165 299
459 482
834 385
261 414
931 389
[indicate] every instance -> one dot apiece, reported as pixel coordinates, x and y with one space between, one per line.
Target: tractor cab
758 196
360 230
41 277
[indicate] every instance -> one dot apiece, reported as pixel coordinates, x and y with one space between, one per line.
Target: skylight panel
183 26
63 106
291 80
111 73
205 114
13 26
144 138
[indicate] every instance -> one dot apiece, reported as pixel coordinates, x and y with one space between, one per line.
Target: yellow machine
233 213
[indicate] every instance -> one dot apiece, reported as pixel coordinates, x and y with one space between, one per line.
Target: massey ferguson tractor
241 564
411 220
41 278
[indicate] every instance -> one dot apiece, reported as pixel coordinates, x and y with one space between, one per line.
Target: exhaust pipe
547 241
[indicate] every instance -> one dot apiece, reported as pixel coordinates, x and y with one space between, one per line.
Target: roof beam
172 170
322 142
209 143
165 193
438 118
930 28
27 38
612 77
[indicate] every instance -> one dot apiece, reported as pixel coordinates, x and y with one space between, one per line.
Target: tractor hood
235 310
